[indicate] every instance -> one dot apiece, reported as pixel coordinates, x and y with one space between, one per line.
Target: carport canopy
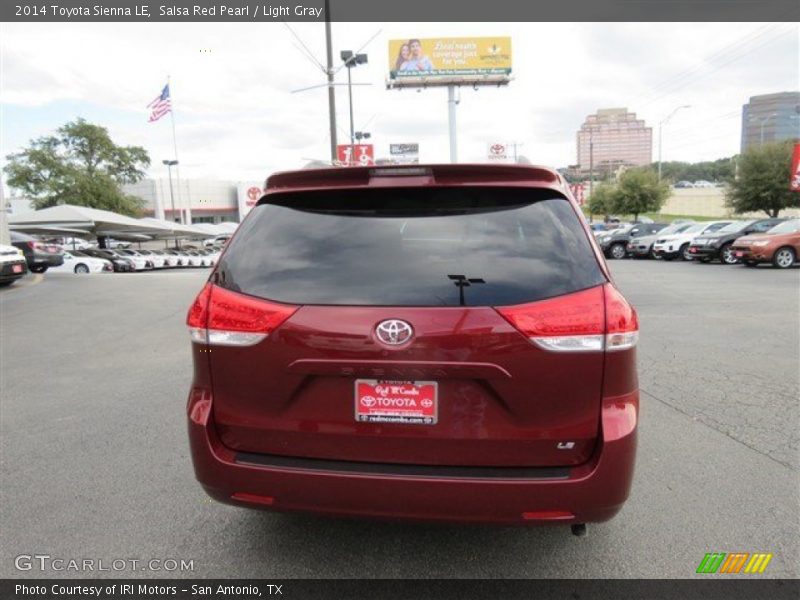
89 221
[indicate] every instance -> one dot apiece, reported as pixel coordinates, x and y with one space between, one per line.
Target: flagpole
183 215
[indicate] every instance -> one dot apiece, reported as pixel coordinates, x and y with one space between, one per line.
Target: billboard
355 155
449 60
404 154
794 184
247 194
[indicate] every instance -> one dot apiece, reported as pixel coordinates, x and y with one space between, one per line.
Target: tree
80 165
762 183
601 200
639 191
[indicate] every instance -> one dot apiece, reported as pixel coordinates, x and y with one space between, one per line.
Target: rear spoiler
394 175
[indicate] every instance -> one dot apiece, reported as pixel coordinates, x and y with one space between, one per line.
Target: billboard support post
451 119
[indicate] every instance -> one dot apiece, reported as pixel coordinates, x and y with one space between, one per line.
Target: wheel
617 251
684 252
652 253
81 269
727 256
38 269
783 257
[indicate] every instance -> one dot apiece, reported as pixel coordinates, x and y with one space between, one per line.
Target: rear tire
81 269
684 252
784 257
727 256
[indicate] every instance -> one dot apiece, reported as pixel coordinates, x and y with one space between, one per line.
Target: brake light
224 318
591 320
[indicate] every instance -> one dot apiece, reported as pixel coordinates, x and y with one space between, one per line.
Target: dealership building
612 138
196 200
770 118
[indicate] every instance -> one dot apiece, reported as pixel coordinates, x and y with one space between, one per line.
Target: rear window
411 247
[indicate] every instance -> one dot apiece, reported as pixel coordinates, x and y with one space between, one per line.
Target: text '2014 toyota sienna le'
427 343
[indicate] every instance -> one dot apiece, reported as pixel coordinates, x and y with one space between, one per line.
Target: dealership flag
160 105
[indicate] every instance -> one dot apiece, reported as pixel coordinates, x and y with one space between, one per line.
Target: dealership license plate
16 269
410 402
739 254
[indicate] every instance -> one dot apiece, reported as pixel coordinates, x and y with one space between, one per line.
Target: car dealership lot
95 464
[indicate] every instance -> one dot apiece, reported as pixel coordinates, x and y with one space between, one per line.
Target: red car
429 343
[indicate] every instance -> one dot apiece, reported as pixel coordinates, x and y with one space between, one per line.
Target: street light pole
352 60
661 124
329 73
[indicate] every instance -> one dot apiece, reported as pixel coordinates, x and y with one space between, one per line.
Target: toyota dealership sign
247 194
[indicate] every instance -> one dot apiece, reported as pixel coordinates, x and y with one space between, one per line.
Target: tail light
591 320
224 318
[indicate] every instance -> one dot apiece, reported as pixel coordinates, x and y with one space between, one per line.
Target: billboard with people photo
456 60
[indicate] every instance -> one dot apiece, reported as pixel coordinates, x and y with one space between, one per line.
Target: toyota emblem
394 332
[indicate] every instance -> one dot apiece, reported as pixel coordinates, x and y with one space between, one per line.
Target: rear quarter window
411 247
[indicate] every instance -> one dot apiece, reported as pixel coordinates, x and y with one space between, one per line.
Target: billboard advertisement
247 194
795 180
415 61
404 154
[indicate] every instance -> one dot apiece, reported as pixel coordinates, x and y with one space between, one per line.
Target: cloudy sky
237 117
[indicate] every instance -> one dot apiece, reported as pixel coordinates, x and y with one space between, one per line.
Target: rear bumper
7 272
594 491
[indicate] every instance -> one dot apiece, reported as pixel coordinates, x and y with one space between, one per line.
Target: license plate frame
402 402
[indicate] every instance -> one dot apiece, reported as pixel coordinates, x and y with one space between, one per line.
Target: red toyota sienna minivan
427 342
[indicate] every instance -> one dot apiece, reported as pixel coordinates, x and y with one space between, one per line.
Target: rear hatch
470 271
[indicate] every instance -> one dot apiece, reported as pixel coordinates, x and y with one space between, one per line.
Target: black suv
615 243
38 255
705 248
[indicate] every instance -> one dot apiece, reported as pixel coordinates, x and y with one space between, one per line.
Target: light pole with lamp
170 164
351 60
663 122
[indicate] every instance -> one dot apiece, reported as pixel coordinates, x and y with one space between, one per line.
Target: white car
170 260
677 244
194 259
158 260
81 264
702 183
12 264
140 262
74 243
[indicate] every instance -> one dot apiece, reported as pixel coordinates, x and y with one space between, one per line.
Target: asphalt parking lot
95 463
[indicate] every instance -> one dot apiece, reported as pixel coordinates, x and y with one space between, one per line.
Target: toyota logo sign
394 332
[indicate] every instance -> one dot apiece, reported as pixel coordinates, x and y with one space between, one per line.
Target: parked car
642 246
40 256
117 244
219 240
362 351
12 264
614 244
683 184
140 262
82 264
176 257
719 246
780 246
191 258
702 183
120 264
157 260
71 243
677 245
598 228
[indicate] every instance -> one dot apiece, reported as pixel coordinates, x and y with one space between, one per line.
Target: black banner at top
407 10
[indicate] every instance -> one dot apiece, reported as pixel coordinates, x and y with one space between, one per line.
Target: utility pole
352 60
329 73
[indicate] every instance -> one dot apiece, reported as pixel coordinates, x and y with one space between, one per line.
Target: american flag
160 105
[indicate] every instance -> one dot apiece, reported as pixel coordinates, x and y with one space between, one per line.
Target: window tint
411 247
